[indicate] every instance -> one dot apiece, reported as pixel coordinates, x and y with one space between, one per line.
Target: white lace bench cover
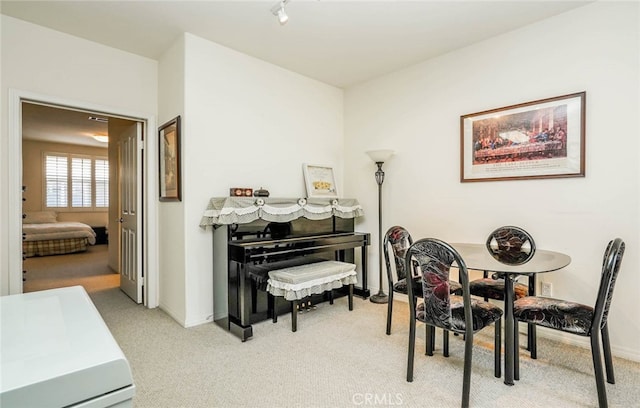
298 282
242 210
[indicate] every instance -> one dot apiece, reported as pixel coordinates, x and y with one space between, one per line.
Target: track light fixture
279 11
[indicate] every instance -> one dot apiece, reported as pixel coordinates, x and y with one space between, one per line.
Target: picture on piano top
319 181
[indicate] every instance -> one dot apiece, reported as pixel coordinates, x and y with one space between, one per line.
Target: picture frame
169 160
319 181
533 140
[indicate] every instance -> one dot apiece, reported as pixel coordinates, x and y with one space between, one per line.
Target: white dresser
56 351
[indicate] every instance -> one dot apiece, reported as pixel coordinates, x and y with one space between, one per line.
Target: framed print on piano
319 181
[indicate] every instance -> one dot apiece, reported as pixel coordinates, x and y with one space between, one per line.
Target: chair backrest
511 238
400 240
434 258
610 267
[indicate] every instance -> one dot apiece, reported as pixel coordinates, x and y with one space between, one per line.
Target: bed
44 235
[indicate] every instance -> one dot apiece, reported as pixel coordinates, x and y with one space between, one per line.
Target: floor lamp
379 157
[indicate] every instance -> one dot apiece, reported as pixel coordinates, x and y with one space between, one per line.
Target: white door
129 175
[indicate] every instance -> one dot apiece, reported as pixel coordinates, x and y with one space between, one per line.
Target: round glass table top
479 256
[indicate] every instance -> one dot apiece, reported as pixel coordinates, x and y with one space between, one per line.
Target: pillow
40 217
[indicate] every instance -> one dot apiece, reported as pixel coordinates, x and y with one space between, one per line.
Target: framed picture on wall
532 140
319 181
169 160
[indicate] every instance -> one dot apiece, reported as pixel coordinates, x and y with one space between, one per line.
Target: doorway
147 250
68 173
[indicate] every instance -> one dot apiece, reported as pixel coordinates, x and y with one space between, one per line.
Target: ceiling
338 42
50 124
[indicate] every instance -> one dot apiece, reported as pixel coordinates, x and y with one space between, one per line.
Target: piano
245 252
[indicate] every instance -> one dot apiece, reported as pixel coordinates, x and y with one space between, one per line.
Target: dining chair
459 314
579 319
399 239
508 239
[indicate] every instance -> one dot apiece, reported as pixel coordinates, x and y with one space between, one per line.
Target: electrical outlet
545 289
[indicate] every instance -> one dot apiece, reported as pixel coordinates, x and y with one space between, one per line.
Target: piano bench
299 282
259 275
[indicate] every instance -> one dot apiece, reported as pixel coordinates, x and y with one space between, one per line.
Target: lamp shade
380 156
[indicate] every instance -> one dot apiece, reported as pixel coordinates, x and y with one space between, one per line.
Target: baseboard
179 319
199 321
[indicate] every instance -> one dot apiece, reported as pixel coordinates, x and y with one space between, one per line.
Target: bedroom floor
89 269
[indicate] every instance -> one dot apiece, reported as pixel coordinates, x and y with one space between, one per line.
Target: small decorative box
240 192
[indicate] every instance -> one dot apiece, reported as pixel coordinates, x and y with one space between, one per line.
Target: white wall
417 112
63 67
171 243
246 123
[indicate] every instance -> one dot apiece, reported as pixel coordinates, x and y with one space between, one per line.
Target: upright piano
277 235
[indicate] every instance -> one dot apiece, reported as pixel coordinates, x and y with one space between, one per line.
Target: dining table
509 264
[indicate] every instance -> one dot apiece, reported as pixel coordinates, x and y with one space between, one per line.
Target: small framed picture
319 181
169 160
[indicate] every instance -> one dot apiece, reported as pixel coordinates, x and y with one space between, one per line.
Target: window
56 182
76 182
101 176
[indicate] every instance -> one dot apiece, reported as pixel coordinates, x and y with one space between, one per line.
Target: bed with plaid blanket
56 238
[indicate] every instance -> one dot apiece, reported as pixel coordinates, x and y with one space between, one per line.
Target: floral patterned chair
515 240
399 239
576 318
459 314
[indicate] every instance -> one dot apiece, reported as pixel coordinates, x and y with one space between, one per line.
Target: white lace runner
242 210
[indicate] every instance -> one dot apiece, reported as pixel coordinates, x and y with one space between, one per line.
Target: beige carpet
338 359
88 269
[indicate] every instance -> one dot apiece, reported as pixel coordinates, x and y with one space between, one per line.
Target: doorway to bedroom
70 172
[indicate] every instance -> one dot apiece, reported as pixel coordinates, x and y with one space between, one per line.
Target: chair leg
606 348
532 341
445 343
389 311
412 346
331 297
272 302
294 315
351 296
597 366
466 376
429 339
497 346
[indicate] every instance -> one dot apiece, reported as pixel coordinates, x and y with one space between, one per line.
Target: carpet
339 358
